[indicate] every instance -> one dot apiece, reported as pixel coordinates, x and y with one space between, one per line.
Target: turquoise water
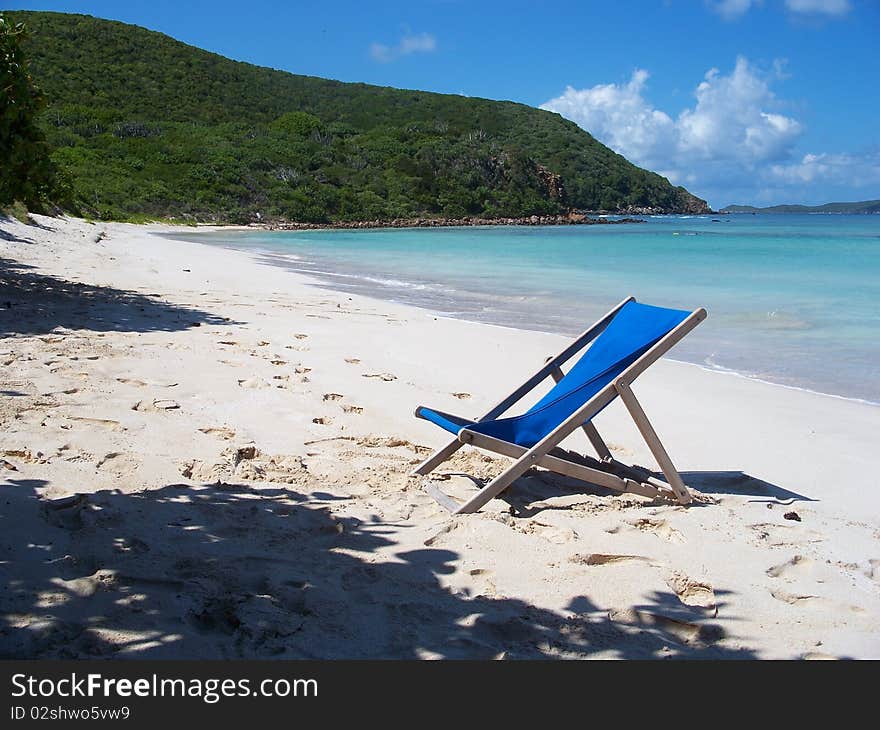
792 299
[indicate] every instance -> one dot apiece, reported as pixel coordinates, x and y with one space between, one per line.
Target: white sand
244 488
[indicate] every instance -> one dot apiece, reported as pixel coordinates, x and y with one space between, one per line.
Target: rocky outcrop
552 183
566 219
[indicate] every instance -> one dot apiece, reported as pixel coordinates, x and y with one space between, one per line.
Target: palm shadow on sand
248 571
33 303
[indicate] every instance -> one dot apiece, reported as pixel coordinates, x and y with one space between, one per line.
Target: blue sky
749 101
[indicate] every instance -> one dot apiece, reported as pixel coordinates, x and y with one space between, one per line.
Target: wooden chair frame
546 453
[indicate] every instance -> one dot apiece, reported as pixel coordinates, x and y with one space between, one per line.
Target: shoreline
271 257
720 370
210 454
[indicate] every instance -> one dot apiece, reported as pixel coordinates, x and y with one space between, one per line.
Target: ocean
792 299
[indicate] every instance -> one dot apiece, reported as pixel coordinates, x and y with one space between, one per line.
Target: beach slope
202 455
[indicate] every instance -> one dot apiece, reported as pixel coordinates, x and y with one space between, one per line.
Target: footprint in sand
301 336
333 396
131 381
360 577
552 533
357 410
771 534
353 360
439 536
87 586
102 422
253 383
604 558
657 527
220 432
800 577
488 587
686 632
795 567
387 377
461 396
74 455
300 370
323 420
118 463
160 404
790 598
66 512
278 362
692 592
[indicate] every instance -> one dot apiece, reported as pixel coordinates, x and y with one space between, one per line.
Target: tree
26 171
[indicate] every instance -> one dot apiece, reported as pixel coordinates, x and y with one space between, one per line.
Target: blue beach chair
622 345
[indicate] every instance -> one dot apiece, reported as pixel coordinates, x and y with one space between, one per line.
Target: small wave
711 366
270 253
783 321
391 283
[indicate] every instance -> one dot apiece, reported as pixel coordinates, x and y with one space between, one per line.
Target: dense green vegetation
865 206
28 174
148 126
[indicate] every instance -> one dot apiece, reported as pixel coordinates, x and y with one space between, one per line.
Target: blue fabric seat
635 328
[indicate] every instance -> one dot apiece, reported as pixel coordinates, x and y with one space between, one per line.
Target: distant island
863 207
146 127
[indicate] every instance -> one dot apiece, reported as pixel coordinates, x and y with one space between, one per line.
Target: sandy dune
204 456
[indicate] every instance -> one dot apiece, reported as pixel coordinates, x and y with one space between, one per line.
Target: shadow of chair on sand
539 490
738 483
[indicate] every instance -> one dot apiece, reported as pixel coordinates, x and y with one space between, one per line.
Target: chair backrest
634 329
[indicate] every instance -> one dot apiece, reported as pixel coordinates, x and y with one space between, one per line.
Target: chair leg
437 458
653 441
560 466
589 429
597 441
498 484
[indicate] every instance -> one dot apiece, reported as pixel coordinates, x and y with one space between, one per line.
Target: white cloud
732 119
732 9
819 7
732 140
421 43
410 43
620 117
833 169
736 9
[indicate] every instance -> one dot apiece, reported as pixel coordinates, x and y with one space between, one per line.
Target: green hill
865 206
148 126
